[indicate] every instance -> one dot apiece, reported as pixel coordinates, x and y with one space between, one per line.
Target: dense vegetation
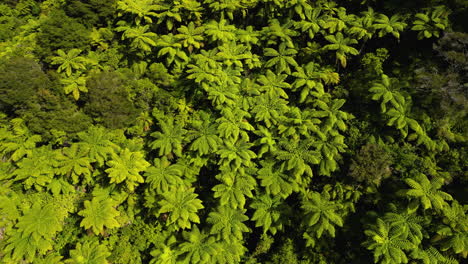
233 131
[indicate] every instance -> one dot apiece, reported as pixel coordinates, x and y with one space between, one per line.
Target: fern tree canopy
233 131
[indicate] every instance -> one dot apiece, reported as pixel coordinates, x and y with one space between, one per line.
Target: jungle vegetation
233 131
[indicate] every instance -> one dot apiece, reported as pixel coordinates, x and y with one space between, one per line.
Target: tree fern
335 23
228 192
431 23
198 247
273 84
321 214
227 223
268 212
298 157
220 31
268 109
229 252
169 139
310 78
235 155
141 38
282 58
384 91
50 258
409 223
342 47
89 252
98 143
143 10
38 169
456 216
222 94
233 55
280 31
191 36
74 84
74 162
310 22
163 176
275 181
170 47
391 25
431 255
234 188
301 122
99 214
226 7
330 150
34 232
182 206
165 251
25 247
69 61
127 167
204 137
234 124
457 242
427 192
335 117
18 143
387 243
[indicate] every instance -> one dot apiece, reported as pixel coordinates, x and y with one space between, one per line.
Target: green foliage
181 205
74 85
321 215
20 79
371 164
298 157
275 181
169 140
34 232
69 61
388 243
430 23
143 10
127 166
59 31
341 46
99 214
97 143
164 176
227 223
391 25
108 100
268 213
282 58
89 252
138 131
235 187
140 38
383 91
199 246
36 170
409 223
204 137
427 191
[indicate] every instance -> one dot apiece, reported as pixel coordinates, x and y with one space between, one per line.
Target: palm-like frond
227 223
169 139
164 176
182 206
427 191
321 214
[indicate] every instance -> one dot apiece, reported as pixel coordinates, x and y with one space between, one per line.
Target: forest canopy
233 131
